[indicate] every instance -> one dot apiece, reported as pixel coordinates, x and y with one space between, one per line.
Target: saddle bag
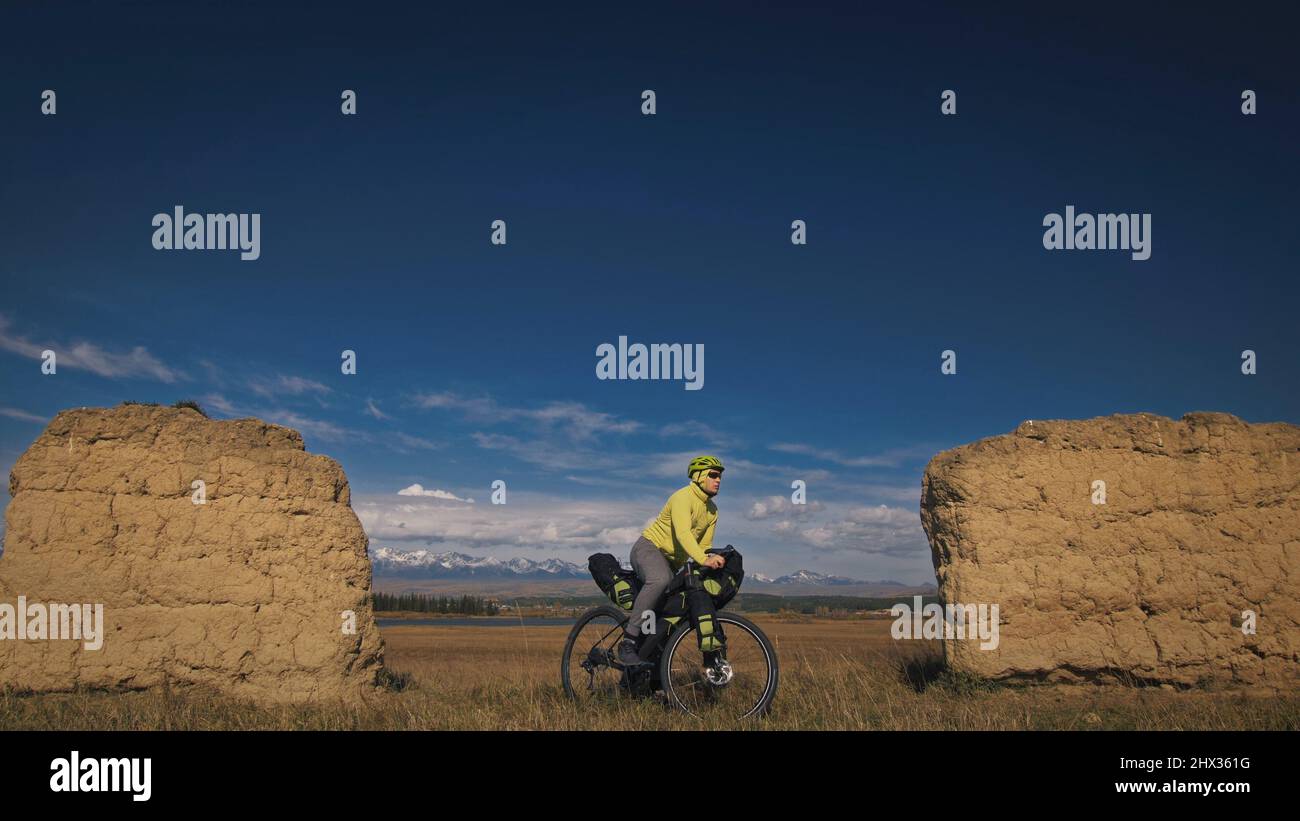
620 585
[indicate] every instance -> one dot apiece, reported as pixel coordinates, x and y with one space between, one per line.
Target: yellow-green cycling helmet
704 463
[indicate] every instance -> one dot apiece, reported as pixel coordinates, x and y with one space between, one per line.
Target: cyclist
683 530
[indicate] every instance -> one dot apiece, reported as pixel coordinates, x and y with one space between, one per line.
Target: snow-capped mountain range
425 564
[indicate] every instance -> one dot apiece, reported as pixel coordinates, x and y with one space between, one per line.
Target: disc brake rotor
719 674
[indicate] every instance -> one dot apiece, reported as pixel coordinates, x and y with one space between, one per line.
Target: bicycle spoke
736 682
591 647
750 675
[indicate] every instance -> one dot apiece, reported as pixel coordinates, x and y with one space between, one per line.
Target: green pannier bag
702 594
723 584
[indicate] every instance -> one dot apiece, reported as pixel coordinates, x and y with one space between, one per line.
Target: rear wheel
588 668
737 682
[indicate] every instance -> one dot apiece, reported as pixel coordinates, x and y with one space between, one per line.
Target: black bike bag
620 585
723 584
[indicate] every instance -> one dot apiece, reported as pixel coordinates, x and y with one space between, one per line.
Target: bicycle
739 681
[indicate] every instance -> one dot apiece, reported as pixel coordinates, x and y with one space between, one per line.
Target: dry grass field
837 675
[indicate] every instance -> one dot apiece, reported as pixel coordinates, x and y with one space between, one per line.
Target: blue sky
477 362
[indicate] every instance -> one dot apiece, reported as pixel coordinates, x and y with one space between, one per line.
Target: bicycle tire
676 642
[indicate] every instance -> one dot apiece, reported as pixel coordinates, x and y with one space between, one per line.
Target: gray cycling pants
651 565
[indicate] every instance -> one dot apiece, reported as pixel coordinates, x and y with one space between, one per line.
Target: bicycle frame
683 578
653 674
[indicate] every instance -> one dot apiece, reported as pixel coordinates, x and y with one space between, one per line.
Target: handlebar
691 564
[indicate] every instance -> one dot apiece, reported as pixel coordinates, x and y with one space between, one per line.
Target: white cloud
566 436
910 492
673 465
573 529
483 407
286 386
890 458
418 490
700 432
220 403
573 418
215 376
580 421
319 428
557 435
546 523
14 413
417 442
303 424
549 453
137 364
373 410
881 529
782 507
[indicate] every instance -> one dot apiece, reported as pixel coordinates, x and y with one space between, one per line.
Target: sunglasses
713 474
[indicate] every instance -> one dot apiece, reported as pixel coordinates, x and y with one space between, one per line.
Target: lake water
489 622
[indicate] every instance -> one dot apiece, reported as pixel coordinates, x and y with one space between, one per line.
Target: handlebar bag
723 584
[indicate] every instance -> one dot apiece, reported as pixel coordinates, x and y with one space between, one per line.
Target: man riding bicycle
683 530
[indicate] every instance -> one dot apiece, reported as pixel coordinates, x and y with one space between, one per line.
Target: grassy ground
834 675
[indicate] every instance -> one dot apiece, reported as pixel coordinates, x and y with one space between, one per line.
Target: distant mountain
424 564
821 579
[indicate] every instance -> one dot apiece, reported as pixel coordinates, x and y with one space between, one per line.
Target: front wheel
737 682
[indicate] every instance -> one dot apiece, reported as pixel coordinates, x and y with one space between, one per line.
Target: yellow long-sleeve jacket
684 528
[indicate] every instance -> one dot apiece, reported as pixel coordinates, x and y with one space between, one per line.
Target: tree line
420 603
